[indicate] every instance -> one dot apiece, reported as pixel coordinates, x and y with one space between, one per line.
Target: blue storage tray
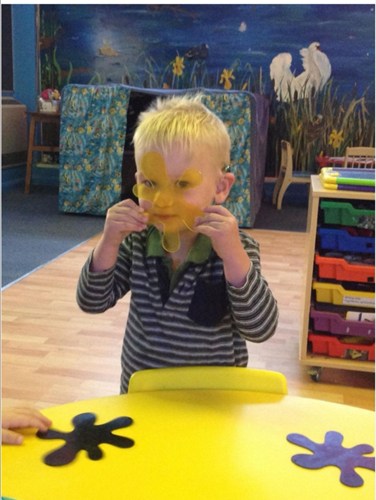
341 241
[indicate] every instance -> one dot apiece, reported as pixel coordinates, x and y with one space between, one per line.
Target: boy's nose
164 198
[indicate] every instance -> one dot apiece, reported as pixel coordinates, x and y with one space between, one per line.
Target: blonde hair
182 121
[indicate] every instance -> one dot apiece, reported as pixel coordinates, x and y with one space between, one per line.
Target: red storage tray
335 347
333 322
340 269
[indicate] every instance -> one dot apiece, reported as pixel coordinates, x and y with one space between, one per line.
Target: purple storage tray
332 322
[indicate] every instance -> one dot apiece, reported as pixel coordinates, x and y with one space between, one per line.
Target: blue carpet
294 211
289 218
34 232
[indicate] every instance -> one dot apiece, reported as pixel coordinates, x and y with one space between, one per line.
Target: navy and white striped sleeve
99 291
254 308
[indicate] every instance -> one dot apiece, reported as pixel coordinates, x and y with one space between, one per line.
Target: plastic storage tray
341 240
334 323
344 214
342 270
334 347
333 293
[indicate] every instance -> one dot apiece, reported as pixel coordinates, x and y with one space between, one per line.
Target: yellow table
198 444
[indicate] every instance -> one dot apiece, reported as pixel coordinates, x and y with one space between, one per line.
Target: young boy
196 283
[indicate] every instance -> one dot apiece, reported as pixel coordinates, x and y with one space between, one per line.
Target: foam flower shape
85 436
168 209
331 452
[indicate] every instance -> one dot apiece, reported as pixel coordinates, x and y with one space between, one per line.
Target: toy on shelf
351 179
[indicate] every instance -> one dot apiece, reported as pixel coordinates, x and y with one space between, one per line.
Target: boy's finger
10 437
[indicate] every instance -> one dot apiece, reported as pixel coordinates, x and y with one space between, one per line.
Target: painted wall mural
315 63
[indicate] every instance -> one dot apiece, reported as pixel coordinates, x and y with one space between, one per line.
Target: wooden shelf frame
37 118
318 192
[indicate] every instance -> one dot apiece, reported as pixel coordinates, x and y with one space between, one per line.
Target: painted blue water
248 34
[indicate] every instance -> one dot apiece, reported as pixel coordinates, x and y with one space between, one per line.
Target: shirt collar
199 252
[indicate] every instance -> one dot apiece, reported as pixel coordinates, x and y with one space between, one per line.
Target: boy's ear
224 186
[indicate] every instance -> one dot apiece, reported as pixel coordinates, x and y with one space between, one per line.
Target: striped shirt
190 317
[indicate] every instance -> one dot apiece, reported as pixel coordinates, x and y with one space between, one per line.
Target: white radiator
13 132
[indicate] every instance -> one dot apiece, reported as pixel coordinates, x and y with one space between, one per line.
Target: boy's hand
122 219
18 418
222 228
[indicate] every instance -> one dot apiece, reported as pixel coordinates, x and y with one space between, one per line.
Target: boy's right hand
122 219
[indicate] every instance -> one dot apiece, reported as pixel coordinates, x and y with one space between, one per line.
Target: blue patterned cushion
234 108
92 135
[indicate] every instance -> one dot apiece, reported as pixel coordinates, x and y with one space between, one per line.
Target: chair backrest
208 377
286 158
359 157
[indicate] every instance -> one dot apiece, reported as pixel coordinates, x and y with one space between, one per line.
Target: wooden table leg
29 160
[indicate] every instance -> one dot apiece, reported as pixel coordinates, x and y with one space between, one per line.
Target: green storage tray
345 214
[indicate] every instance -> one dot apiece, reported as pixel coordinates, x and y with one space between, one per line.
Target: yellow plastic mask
168 209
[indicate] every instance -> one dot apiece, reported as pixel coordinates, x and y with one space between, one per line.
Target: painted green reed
323 123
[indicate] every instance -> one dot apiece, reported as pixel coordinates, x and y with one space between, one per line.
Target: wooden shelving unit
38 146
306 356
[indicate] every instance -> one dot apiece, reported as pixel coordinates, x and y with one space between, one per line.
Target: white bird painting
317 71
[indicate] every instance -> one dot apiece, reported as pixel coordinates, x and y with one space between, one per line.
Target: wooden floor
53 353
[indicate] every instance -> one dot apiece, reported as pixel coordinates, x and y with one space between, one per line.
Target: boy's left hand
222 228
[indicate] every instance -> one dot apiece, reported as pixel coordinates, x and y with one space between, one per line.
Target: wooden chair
208 377
359 157
287 175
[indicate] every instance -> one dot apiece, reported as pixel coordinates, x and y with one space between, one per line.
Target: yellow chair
208 377
287 175
359 157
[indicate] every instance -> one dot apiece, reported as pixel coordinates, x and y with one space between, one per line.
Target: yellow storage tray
333 293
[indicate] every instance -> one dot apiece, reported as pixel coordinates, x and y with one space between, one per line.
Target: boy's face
174 188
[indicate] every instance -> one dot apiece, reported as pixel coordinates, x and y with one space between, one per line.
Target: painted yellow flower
336 138
178 66
226 77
